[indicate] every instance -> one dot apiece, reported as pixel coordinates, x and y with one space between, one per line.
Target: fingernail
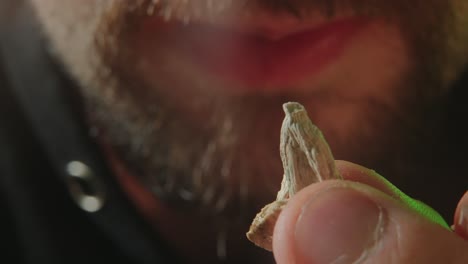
337 226
462 223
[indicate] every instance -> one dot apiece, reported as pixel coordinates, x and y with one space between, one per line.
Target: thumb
351 222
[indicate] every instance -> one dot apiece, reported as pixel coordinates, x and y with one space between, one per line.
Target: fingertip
338 220
324 223
283 235
461 217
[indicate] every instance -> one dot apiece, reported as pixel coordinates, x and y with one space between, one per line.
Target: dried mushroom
306 159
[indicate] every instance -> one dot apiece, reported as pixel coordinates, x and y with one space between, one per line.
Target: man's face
188 94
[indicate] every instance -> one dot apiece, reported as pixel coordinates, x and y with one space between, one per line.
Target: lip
255 63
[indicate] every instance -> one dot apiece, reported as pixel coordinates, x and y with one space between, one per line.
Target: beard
218 153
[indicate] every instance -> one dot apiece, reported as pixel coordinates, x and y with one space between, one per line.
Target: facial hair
215 152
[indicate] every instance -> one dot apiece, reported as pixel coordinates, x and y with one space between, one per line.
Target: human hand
365 219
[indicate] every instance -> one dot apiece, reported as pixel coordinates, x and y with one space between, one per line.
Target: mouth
254 60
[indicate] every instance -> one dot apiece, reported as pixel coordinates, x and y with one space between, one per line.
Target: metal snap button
85 188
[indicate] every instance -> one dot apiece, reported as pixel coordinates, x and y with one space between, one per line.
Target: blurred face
187 95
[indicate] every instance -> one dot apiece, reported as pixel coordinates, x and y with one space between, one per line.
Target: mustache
193 9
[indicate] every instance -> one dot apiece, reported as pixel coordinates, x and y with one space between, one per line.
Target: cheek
372 71
374 66
54 8
71 27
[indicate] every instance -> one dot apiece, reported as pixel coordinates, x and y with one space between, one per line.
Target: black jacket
40 133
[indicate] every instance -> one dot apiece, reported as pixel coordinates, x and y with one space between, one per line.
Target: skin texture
175 130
